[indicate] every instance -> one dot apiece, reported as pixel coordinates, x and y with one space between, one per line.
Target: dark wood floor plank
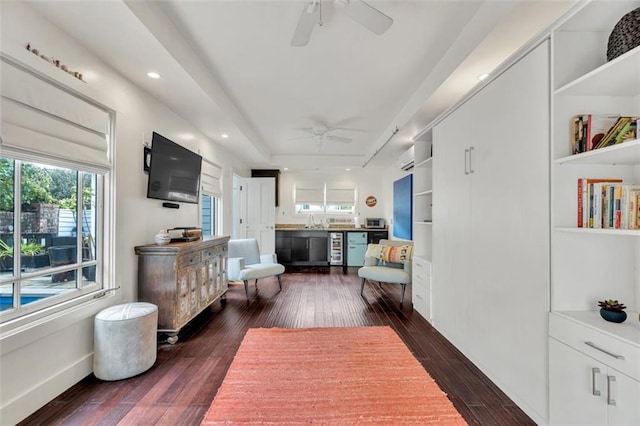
179 388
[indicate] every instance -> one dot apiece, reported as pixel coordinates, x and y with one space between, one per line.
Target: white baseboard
38 396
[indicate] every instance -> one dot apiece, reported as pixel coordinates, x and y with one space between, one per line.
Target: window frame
82 288
75 302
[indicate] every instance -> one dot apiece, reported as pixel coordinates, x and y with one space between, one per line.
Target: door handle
470 158
610 381
466 155
594 346
594 385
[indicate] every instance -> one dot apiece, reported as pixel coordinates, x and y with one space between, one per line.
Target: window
322 197
54 196
210 199
209 214
49 216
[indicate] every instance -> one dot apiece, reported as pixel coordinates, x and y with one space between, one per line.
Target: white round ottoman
125 340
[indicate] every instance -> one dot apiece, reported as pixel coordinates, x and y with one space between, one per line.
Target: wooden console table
182 279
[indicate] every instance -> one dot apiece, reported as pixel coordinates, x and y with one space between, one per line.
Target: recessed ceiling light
224 136
153 75
286 168
348 170
483 76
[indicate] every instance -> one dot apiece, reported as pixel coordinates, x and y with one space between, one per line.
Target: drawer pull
610 380
594 373
594 346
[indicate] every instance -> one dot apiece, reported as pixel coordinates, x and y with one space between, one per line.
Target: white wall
41 361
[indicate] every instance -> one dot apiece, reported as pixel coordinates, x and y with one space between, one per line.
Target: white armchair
375 269
246 263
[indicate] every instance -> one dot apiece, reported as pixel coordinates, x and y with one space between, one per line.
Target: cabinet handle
594 346
610 380
594 373
466 155
470 164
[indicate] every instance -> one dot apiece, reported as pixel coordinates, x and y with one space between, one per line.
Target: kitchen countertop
333 228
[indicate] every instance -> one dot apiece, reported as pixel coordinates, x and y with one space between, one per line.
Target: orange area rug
358 375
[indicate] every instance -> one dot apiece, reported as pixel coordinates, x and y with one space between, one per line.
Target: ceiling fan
361 12
322 134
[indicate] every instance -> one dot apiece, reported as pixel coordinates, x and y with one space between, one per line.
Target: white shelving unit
588 265
422 225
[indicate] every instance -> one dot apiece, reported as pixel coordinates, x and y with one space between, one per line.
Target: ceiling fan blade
337 138
305 129
367 15
301 138
308 20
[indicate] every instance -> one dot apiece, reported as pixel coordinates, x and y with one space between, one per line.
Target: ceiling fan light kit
361 12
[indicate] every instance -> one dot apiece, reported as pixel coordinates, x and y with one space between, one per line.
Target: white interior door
258 212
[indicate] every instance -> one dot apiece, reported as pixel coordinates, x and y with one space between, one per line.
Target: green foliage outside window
41 185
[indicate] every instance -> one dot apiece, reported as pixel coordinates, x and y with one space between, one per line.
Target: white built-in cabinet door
451 232
586 392
491 229
258 212
575 380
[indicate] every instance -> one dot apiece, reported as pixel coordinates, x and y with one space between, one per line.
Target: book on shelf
585 199
627 206
589 129
624 129
617 207
595 213
634 210
595 131
608 204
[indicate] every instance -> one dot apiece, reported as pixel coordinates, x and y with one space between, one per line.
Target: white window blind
341 193
40 118
309 193
210 179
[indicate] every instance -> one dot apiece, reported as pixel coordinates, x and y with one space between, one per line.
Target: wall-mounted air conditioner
406 160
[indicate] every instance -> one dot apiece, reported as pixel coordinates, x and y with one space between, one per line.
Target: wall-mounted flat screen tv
174 171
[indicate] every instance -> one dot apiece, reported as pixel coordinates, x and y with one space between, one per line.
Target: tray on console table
182 279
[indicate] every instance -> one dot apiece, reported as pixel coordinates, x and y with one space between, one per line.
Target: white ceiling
228 67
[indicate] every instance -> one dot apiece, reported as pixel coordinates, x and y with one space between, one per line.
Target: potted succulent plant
32 255
612 311
6 256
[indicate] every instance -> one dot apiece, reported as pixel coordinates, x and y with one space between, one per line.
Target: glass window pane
6 296
7 224
343 208
89 219
39 288
207 215
309 208
38 216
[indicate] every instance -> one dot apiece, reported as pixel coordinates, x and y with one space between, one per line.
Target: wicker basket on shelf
625 35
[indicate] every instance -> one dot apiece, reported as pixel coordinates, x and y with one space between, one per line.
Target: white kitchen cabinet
584 391
421 284
491 229
588 265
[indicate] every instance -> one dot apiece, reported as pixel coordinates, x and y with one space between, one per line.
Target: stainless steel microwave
375 223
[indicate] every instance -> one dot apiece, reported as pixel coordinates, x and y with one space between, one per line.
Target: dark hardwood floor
179 388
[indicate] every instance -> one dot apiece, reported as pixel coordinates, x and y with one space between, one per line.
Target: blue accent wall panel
403 208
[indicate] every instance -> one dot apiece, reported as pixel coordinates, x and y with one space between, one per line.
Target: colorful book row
608 203
595 131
